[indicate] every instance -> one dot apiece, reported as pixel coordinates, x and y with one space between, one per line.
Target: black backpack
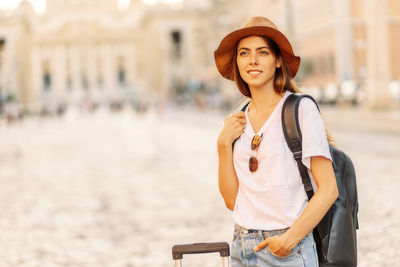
335 235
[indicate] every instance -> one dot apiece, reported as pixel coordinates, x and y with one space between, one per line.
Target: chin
259 83
256 84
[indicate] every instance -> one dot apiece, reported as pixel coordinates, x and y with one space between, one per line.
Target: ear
278 63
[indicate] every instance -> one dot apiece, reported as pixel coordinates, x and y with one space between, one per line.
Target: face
256 62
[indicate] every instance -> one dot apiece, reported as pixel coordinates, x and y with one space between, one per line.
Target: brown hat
258 26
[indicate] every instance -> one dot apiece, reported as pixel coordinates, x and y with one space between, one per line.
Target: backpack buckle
298 155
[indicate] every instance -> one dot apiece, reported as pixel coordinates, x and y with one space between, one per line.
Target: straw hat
259 26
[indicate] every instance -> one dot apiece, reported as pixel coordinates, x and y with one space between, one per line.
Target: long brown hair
283 80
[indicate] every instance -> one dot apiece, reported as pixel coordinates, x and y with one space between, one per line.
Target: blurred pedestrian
258 177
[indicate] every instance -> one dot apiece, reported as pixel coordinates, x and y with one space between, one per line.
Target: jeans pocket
280 257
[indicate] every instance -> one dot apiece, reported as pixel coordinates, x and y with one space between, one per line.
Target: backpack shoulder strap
243 108
292 133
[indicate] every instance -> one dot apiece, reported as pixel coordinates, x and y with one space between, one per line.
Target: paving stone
120 189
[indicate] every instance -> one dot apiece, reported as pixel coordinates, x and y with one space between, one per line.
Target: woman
259 178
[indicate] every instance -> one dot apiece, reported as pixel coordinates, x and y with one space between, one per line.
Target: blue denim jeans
244 241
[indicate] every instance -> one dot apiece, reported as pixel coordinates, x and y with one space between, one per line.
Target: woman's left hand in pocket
276 244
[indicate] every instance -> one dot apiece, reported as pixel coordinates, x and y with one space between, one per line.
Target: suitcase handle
221 247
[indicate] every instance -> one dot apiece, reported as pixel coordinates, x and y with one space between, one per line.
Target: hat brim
225 52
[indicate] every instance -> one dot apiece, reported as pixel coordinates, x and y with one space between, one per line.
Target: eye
243 53
263 52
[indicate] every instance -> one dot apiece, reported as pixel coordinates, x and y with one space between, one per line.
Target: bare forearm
227 179
326 194
313 213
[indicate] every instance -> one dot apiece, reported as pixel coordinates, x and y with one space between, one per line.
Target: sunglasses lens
253 164
255 142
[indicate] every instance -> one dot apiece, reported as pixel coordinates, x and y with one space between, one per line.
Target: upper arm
322 171
314 139
316 154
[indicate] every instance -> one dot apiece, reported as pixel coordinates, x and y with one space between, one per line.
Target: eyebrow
259 48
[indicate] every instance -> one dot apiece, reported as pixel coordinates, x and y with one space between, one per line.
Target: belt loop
241 234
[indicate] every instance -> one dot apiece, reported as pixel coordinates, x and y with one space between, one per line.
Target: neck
263 99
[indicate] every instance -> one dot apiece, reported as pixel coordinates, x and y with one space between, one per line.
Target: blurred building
346 40
91 49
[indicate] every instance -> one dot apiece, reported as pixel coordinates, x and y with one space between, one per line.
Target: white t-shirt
273 197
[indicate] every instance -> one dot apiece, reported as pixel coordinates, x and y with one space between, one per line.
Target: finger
278 254
240 114
243 121
239 130
261 245
231 117
240 124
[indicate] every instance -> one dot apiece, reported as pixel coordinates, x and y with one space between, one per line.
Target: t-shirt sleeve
314 140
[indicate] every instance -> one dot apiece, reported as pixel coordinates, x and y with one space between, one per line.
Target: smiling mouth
254 73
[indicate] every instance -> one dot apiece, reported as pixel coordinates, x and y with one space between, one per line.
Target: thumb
262 245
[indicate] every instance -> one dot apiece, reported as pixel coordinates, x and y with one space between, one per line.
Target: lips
254 73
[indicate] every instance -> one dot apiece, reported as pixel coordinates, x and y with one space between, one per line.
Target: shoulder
308 106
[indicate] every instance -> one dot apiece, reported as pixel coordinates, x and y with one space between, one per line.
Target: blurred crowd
12 111
193 95
351 91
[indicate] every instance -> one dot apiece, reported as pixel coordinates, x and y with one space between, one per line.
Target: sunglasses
255 144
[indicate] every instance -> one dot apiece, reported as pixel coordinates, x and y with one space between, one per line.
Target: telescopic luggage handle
197 248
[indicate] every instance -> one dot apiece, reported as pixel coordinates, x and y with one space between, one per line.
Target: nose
254 59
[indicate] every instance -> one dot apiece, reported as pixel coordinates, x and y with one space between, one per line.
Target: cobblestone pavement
119 189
